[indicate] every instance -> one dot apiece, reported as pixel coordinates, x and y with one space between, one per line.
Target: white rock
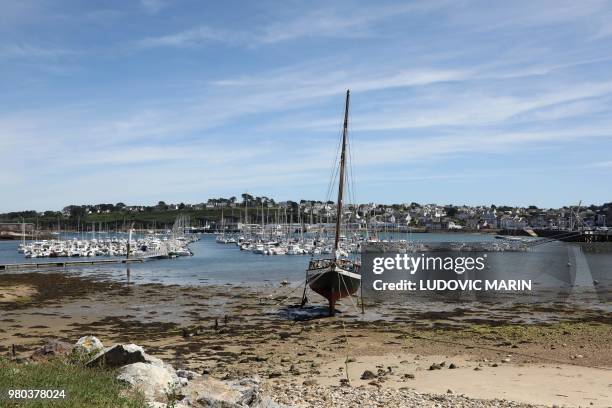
189 375
88 344
153 381
124 354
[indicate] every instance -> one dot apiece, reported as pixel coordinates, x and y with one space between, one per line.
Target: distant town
232 212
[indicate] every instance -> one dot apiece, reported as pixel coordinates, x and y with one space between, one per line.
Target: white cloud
193 37
601 165
338 22
31 51
154 6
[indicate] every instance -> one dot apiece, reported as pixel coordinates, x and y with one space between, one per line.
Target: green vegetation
84 387
149 217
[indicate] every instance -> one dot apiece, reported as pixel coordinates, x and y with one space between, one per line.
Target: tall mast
341 183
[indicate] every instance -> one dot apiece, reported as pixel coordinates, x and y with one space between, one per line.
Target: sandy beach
307 359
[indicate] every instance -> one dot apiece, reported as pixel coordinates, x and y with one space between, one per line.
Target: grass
84 387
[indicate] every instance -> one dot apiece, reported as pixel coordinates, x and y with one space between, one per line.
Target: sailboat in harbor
336 277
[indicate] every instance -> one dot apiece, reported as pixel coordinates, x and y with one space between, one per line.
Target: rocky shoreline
305 359
164 386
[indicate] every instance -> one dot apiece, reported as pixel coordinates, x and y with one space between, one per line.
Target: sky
462 102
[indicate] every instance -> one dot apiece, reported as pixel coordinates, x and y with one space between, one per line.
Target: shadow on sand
298 314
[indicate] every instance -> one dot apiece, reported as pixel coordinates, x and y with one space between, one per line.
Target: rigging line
334 167
334 173
299 287
348 346
332 183
350 162
300 282
350 296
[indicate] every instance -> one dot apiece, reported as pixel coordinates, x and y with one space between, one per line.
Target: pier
65 264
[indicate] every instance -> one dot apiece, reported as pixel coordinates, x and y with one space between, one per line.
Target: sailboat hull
334 282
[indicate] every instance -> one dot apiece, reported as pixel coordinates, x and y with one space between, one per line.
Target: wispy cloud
32 51
601 165
193 37
154 6
339 22
442 91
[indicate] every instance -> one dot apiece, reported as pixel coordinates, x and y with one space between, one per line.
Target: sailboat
336 277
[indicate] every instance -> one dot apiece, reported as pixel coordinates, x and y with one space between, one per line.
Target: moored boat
336 277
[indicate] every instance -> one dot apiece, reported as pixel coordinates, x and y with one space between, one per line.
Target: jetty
65 264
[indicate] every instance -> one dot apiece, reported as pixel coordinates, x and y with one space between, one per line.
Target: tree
74 211
246 198
451 211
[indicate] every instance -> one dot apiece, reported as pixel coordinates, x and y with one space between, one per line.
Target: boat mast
341 183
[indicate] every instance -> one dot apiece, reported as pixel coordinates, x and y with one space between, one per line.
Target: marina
332 204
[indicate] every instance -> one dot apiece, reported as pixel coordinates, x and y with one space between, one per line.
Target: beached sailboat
336 277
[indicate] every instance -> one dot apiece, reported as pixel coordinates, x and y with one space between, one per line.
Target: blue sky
464 102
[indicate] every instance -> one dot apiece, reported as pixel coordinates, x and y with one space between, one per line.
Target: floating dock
66 264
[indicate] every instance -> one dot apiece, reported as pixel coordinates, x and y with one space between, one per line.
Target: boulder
122 354
88 345
152 380
52 349
189 375
368 375
208 392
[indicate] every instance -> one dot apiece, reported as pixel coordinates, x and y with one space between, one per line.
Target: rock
275 374
209 392
477 369
88 345
368 375
152 380
452 366
153 404
52 349
449 391
409 376
435 366
122 354
579 356
188 375
505 360
344 382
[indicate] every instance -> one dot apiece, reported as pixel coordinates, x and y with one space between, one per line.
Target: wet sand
568 361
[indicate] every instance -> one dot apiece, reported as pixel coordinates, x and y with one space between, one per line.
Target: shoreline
231 331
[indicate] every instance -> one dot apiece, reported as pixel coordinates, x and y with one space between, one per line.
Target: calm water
215 263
